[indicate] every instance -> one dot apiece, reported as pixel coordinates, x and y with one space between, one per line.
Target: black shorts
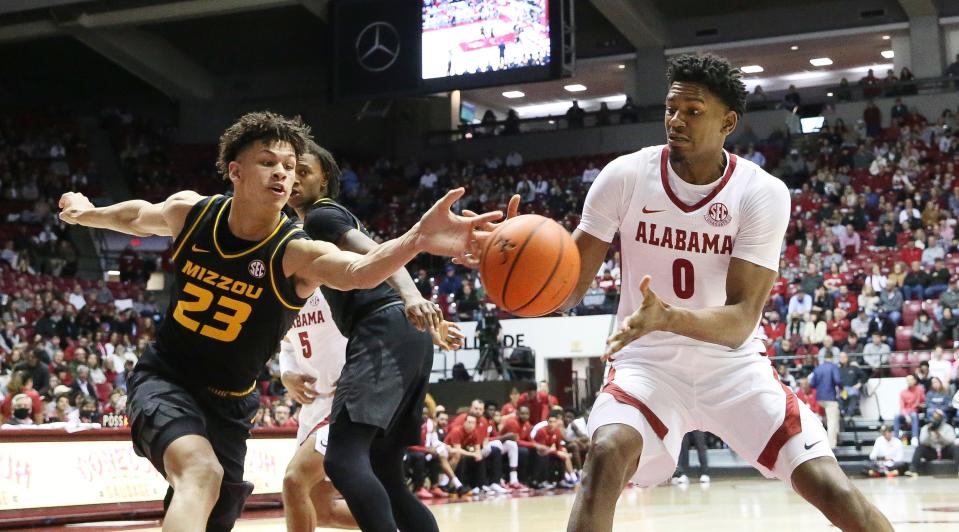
162 410
387 370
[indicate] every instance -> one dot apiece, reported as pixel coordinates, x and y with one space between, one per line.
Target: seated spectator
922 375
62 409
82 384
22 408
876 353
424 284
38 371
876 280
828 349
812 280
813 329
467 302
428 179
854 345
940 368
847 302
923 334
281 414
910 400
890 303
886 455
932 253
785 377
868 300
520 426
849 242
466 456
886 237
936 441
938 398
915 283
800 304
595 298
551 455
950 298
590 173
938 280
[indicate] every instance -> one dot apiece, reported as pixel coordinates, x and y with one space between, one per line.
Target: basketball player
311 358
377 410
243 270
701 235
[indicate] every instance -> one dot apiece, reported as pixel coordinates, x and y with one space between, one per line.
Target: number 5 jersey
230 304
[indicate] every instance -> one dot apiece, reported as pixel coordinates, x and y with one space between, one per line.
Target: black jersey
328 220
230 304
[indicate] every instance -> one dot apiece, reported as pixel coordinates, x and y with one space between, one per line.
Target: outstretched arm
592 251
439 232
134 217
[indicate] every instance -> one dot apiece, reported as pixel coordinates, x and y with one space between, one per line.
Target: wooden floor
925 504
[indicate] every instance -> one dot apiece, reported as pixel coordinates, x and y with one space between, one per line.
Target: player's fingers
481 219
644 285
513 207
468 213
309 379
450 198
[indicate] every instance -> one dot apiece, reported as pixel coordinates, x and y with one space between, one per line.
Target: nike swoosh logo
647 211
198 250
811 446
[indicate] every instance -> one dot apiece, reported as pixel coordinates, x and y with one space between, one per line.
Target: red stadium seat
910 309
922 356
899 363
903 335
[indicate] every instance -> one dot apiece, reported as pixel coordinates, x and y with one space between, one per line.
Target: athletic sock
513 477
456 483
443 480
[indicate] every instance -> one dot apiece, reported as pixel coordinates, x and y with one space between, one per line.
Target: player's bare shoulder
176 208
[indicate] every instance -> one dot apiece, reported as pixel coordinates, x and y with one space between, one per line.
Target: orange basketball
530 265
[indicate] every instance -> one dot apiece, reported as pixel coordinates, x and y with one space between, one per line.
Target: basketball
530 265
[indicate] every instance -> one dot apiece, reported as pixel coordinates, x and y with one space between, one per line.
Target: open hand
651 316
446 234
72 206
511 210
299 386
447 336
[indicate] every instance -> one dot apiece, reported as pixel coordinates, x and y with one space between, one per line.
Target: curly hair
715 73
329 166
264 126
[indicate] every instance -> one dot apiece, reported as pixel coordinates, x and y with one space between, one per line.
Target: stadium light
888 54
885 37
575 87
621 67
751 69
829 94
820 61
794 47
514 94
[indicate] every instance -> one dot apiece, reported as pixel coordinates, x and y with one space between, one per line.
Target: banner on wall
564 337
64 473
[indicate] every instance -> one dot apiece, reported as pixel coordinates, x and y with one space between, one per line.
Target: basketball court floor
923 504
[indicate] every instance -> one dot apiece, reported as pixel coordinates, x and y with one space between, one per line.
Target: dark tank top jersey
230 304
327 220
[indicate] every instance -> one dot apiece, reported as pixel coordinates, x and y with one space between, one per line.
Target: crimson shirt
522 430
459 436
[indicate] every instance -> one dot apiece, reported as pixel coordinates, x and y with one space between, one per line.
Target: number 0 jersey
230 304
685 235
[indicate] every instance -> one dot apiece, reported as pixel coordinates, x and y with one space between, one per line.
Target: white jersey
684 235
314 346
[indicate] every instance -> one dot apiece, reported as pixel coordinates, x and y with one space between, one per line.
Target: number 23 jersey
685 235
230 303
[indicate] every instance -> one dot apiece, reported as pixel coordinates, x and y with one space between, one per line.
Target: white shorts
740 399
315 419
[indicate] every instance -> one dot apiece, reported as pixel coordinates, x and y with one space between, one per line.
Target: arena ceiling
211 42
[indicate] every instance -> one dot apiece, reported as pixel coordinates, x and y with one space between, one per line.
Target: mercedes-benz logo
377 46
